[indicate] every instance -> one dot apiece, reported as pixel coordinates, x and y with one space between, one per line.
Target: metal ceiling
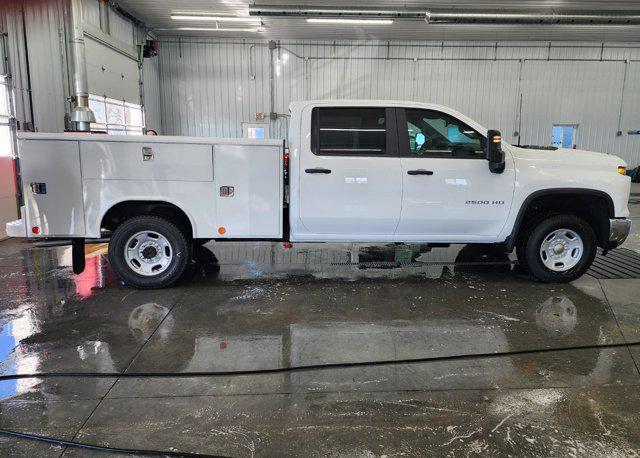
156 14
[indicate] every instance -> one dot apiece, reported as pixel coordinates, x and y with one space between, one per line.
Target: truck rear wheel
148 252
558 249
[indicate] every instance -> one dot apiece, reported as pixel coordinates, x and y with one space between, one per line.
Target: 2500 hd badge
485 202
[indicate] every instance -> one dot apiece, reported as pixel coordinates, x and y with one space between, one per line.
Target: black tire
178 245
523 238
528 249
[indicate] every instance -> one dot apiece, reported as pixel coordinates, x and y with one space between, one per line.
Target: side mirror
495 156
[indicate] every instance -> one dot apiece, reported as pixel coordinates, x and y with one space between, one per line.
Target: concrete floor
261 306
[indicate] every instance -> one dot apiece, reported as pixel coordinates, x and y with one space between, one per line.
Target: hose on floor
278 370
99 448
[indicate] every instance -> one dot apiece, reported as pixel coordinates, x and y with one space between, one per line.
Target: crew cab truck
355 171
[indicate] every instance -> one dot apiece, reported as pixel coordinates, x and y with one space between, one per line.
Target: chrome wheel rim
561 250
148 253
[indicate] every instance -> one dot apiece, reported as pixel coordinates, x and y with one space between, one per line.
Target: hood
574 157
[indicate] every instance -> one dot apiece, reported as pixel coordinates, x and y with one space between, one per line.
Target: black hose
310 367
315 367
100 448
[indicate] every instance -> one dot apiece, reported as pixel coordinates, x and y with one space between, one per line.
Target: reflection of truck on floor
357 171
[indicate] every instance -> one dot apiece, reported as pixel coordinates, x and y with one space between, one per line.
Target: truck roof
368 103
296 108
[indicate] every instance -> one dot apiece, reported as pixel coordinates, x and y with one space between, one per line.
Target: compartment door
248 188
52 186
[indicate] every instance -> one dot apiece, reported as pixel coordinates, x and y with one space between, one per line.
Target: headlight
622 170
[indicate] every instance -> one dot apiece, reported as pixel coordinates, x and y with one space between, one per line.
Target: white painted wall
209 87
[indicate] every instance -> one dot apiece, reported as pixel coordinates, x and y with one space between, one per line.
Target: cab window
435 134
349 131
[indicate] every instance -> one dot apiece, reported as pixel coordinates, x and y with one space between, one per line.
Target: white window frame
259 125
117 129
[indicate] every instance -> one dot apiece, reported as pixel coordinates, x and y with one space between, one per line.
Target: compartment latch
147 153
38 188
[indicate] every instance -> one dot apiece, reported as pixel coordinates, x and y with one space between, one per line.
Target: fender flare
510 241
152 201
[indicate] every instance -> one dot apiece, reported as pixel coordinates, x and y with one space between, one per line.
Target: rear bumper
16 228
619 229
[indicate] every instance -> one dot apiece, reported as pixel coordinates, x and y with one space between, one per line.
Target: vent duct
81 114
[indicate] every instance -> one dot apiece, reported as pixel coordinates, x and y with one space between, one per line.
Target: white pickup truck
355 171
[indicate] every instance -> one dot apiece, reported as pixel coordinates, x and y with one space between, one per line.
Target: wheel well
595 209
117 214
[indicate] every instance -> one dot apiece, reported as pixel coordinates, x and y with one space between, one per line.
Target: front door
350 181
449 193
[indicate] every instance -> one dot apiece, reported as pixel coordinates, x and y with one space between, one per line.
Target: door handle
318 170
420 172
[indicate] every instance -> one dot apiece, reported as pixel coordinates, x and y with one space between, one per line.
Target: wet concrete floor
258 305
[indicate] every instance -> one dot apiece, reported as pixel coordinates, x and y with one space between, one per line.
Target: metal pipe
452 16
272 90
81 114
513 17
425 45
364 13
624 84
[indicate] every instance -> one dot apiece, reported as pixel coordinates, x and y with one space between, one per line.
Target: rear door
449 193
350 181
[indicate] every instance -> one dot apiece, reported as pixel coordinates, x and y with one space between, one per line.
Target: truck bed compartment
147 161
228 188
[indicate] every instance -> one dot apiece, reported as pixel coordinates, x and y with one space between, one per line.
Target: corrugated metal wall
44 25
120 28
151 85
209 87
42 29
91 12
37 56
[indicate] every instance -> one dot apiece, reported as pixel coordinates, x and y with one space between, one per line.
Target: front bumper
619 229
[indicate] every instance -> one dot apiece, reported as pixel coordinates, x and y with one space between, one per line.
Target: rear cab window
353 131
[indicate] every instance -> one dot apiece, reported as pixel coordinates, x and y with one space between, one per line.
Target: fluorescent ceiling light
350 21
213 29
207 18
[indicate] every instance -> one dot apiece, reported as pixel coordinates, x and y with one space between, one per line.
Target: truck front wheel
558 249
148 252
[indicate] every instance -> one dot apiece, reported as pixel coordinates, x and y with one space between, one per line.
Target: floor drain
618 263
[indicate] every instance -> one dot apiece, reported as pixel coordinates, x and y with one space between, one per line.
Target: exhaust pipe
81 114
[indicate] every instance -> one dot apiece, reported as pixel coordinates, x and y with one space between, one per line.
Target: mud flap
77 255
